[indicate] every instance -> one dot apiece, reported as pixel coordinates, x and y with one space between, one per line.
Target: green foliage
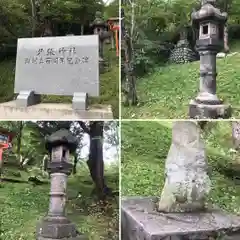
153 25
167 91
16 18
145 146
71 10
112 10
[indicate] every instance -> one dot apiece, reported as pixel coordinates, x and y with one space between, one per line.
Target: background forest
155 26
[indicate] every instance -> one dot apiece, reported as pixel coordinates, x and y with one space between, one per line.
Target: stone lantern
56 225
210 22
99 27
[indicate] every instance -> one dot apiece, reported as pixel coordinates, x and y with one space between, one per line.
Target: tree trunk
33 3
225 38
95 162
75 164
19 140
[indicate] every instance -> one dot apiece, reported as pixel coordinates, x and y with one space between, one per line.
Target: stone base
53 111
140 221
58 229
203 111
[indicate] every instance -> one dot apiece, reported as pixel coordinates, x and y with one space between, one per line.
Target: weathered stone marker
55 225
211 26
181 213
63 66
187 183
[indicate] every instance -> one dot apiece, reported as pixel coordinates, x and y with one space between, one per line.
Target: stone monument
211 25
63 66
56 225
182 212
182 53
99 28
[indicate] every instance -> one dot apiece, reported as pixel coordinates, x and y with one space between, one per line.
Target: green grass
23 205
166 93
145 147
109 84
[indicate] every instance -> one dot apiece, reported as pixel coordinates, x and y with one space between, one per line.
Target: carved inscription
63 55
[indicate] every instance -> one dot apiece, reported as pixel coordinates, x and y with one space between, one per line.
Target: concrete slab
53 111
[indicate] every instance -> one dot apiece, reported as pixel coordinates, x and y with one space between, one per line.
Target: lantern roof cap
98 21
62 137
209 11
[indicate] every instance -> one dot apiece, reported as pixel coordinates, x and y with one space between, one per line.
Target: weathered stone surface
208 111
62 137
140 221
58 228
182 53
58 65
187 182
51 111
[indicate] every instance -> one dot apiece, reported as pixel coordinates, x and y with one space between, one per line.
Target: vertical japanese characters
62 55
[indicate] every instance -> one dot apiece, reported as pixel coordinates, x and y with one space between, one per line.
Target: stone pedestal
139 221
200 110
53 111
56 226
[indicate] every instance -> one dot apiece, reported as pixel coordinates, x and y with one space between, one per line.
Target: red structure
6 138
113 24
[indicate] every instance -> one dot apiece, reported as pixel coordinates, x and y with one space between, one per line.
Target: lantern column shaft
208 74
57 194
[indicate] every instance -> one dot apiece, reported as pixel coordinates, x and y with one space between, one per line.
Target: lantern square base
140 221
206 111
58 228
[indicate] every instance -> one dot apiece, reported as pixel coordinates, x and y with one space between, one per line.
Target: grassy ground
165 93
23 205
145 147
109 84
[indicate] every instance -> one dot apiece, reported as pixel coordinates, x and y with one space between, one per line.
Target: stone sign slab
58 65
140 221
